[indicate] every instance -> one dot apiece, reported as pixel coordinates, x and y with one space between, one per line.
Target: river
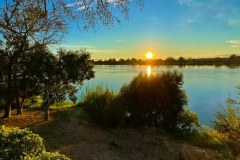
207 87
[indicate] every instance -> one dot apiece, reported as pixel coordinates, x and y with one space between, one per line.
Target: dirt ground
81 140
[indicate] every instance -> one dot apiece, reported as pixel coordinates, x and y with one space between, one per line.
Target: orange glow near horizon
149 55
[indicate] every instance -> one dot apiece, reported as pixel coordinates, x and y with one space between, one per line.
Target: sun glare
149 70
149 55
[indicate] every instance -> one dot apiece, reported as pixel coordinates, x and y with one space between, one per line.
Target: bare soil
81 140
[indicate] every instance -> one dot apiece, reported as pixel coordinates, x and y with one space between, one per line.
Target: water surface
207 87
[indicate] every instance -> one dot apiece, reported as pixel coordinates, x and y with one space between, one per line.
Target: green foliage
155 100
188 120
16 143
51 156
104 106
228 123
34 102
54 76
23 144
207 137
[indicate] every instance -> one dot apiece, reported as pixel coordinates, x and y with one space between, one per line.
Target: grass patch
63 105
210 139
35 103
203 137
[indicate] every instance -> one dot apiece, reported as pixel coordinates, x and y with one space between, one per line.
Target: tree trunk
46 117
47 104
20 107
7 110
9 93
17 103
19 110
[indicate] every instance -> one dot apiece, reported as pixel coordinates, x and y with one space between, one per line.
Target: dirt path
81 140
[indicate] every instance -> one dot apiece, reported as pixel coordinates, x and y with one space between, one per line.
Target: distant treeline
232 60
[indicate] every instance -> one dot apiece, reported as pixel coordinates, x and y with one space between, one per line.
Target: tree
53 77
64 76
26 25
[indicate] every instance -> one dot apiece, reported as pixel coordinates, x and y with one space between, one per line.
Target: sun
149 55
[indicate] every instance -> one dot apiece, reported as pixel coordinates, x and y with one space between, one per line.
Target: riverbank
70 133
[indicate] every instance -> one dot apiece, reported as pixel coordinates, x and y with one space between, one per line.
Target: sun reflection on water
149 70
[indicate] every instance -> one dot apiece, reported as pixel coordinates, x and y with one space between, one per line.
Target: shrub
228 123
17 143
188 120
104 106
23 144
155 100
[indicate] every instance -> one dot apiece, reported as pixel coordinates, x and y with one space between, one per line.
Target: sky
168 28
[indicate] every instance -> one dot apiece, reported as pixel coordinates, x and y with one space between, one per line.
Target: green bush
19 144
155 100
104 106
188 120
228 123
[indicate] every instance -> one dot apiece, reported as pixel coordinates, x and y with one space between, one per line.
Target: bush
228 123
16 143
157 100
23 144
104 106
188 120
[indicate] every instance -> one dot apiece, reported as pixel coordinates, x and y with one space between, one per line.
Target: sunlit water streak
149 70
207 87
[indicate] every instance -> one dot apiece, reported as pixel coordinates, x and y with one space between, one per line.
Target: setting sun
149 55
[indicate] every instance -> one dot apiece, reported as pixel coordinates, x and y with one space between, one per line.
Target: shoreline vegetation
147 119
232 60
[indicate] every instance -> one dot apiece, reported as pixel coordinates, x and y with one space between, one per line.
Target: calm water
207 87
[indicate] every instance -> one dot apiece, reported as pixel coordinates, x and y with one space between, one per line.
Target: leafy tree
157 100
55 76
26 25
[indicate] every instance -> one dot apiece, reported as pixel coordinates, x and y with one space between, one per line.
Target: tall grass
104 106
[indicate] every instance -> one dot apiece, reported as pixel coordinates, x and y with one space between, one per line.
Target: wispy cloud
236 42
234 22
85 5
219 10
233 43
90 48
190 3
121 41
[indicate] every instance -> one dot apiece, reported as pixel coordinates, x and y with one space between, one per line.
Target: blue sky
189 28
